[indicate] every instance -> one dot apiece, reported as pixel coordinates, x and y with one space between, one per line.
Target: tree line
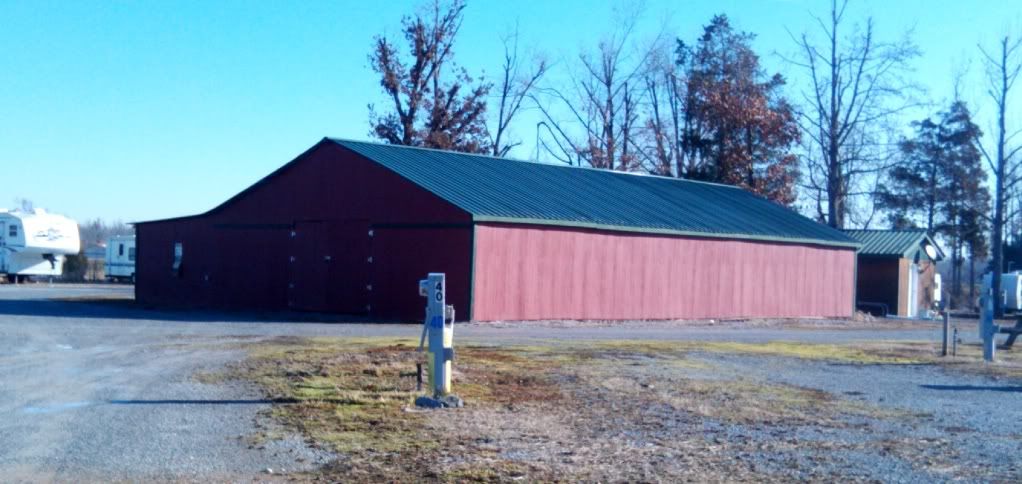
838 147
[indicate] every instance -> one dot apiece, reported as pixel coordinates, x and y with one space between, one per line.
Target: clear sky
149 109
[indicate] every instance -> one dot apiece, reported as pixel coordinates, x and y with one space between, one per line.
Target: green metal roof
893 243
502 190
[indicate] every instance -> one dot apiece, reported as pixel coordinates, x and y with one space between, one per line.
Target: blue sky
142 110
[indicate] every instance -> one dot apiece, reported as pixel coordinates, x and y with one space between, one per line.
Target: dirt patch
969 357
354 397
608 411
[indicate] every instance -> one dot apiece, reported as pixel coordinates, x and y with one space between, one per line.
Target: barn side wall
330 232
535 272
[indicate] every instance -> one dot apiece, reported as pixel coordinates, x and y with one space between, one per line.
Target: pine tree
717 116
938 186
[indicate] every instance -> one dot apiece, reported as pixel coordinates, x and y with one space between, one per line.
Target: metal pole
946 333
987 330
954 343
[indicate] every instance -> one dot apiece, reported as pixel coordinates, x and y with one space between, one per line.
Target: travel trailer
120 258
33 244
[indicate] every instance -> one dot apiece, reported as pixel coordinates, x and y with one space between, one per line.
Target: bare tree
857 84
602 104
427 108
1002 70
98 231
515 87
665 89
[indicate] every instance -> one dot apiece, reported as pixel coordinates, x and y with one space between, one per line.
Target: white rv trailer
35 243
120 258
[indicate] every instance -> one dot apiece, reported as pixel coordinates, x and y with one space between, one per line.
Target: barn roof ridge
493 189
498 190
341 141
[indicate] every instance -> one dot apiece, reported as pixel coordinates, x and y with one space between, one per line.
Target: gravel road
960 426
101 391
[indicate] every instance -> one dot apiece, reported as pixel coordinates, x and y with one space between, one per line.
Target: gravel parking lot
94 388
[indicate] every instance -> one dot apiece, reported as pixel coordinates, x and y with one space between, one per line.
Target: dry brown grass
355 397
604 411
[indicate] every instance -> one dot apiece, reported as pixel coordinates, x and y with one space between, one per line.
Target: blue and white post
439 329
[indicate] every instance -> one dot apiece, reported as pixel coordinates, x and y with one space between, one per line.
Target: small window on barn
120 250
131 254
178 255
14 231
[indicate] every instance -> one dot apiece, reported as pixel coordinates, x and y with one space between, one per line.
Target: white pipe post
438 333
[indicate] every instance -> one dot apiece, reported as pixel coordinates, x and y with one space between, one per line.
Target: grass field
622 410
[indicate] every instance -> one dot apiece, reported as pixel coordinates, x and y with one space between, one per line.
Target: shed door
329 267
308 267
348 268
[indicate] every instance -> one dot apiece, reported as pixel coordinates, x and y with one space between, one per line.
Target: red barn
350 227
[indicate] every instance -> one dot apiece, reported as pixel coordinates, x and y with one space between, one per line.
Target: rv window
14 231
120 250
131 254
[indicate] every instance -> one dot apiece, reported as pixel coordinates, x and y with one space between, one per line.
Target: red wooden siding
239 255
533 272
404 255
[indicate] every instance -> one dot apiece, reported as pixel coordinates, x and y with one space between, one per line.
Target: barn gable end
359 235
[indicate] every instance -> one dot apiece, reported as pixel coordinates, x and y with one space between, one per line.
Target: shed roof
502 190
893 243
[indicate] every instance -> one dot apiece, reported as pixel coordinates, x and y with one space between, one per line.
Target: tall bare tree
1002 69
857 84
669 115
429 106
516 84
602 104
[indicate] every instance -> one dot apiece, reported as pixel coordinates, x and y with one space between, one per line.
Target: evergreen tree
938 186
716 115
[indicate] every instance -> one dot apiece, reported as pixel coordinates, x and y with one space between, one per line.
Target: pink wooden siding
535 272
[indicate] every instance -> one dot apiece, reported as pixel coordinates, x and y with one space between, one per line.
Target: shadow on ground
974 388
254 401
129 309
